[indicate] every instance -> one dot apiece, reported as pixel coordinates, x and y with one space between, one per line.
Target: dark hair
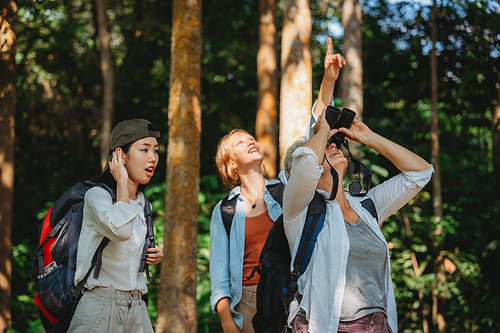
107 178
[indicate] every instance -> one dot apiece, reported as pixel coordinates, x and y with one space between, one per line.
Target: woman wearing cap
347 285
234 254
112 302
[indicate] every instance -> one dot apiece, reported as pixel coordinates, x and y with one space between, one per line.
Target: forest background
443 262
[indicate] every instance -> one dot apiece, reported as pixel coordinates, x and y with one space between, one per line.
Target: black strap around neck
335 176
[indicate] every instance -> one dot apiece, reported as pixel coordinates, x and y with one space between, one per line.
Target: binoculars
337 119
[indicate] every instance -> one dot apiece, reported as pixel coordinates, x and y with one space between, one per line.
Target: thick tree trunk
107 78
351 87
267 75
177 306
439 233
296 79
8 21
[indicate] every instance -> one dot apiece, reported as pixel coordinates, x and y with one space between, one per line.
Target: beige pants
247 307
106 310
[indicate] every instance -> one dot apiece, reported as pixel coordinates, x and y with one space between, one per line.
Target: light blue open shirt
228 282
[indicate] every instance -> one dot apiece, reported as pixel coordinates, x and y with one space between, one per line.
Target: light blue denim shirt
226 267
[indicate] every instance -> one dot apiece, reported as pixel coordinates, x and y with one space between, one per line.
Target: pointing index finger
329 47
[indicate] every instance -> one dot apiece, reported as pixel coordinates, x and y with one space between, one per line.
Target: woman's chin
145 182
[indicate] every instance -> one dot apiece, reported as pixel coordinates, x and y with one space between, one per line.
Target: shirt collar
237 190
140 199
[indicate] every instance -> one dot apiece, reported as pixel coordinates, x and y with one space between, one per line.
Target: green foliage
398 88
59 96
23 290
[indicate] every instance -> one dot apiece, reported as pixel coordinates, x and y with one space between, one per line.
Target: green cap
129 131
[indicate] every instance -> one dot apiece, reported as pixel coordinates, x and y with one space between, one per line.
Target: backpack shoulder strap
97 260
276 191
228 207
150 237
369 205
149 222
314 223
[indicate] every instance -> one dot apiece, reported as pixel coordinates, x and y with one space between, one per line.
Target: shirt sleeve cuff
215 298
421 178
305 152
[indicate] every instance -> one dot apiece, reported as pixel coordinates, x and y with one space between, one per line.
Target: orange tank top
256 230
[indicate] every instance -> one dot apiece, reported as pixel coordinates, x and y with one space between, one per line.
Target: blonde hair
287 161
223 160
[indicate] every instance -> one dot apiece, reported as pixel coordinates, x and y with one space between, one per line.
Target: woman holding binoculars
347 285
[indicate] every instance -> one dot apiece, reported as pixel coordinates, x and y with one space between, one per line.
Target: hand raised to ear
117 165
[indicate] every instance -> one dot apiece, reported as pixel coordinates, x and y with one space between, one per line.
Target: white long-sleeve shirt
323 283
125 226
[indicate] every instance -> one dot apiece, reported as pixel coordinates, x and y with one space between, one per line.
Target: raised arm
332 64
322 134
401 157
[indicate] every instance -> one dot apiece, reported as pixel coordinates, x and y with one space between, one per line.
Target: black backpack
277 286
54 264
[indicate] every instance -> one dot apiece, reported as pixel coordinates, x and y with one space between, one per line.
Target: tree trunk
439 233
496 140
8 21
265 126
177 306
296 79
107 78
351 87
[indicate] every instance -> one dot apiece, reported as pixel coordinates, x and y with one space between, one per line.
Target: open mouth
150 171
253 150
